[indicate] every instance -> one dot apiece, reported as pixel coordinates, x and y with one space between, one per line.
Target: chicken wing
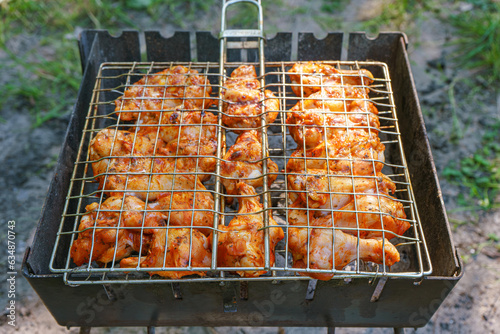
372 213
171 248
311 121
105 234
243 162
241 243
188 137
188 208
244 101
121 168
316 189
312 173
310 242
165 90
312 248
308 78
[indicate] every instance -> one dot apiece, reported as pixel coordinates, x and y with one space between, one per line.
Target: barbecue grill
360 294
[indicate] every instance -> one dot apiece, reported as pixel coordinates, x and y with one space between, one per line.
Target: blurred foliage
333 6
479 38
480 172
49 72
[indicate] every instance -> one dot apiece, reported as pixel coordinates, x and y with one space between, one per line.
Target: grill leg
330 330
398 330
151 330
85 330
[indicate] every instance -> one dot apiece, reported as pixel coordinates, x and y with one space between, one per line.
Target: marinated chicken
366 216
337 166
241 243
312 248
315 172
308 78
243 162
187 207
315 189
165 90
170 248
124 165
245 103
372 213
112 231
312 122
188 138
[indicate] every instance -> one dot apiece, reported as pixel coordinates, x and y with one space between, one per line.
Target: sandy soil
28 155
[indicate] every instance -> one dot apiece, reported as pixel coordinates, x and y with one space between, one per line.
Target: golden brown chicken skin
128 166
316 189
112 231
165 90
243 162
241 243
313 173
371 213
188 138
311 122
193 207
244 102
311 246
171 248
308 78
320 250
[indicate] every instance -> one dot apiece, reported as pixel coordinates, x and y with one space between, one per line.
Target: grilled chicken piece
243 100
187 208
311 121
112 142
312 173
369 213
374 212
185 135
308 78
241 244
165 90
310 243
170 248
123 164
355 152
316 189
319 242
194 142
243 162
109 236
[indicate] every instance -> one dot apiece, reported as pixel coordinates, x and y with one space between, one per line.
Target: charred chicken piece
241 243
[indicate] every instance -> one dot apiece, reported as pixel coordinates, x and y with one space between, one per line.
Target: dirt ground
28 154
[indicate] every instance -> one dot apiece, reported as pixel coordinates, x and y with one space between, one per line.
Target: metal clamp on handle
256 33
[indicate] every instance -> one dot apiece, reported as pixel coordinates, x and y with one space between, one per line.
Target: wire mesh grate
157 194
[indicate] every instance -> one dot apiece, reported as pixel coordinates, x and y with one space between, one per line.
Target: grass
479 173
479 41
396 14
47 82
